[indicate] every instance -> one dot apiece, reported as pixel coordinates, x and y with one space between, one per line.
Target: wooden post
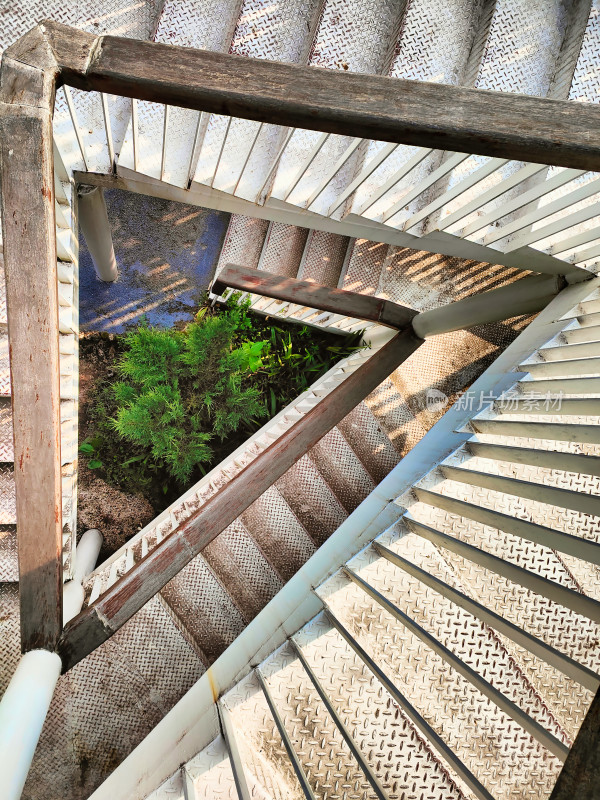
29 236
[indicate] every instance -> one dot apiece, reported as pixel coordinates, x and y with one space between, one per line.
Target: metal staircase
456 654
343 211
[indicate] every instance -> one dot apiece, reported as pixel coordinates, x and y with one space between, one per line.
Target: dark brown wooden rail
121 601
368 106
30 263
315 295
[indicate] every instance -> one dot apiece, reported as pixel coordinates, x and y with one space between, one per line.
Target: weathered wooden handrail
368 106
121 601
314 295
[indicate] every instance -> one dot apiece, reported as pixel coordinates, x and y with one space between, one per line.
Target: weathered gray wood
122 600
314 295
426 114
580 776
526 296
30 262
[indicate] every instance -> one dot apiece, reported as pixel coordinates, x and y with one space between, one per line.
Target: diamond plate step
445 697
565 352
203 609
262 769
323 258
426 50
564 686
465 644
358 38
278 533
364 266
9 566
168 141
10 633
127 685
244 242
282 250
238 155
311 500
589 334
350 485
535 31
371 444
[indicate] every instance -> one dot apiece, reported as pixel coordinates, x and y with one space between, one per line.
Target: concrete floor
166 255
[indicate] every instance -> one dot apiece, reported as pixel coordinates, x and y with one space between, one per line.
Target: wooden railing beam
28 229
314 295
121 601
431 115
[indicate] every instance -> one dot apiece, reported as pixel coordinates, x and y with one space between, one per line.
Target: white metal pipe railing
23 710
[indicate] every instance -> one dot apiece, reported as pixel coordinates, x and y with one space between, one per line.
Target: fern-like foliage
180 389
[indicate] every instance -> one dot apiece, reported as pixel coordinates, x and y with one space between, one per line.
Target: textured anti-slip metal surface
331 769
10 643
127 685
266 766
565 699
243 243
265 30
398 754
521 55
352 483
283 249
478 732
6 431
434 46
364 434
187 23
117 17
311 499
4 364
351 36
8 508
278 533
202 603
324 257
239 564
9 567
365 264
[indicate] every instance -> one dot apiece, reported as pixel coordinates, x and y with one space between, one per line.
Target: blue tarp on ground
166 255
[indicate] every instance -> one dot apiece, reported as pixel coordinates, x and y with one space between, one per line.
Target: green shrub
183 399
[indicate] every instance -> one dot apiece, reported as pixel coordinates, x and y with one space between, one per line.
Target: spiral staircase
412 609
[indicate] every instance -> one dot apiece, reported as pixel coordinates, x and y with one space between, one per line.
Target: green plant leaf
86 447
94 464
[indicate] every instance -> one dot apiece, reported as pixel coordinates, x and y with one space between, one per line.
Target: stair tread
9 566
438 692
465 639
246 157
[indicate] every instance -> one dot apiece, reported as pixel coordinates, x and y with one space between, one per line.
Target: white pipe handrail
23 710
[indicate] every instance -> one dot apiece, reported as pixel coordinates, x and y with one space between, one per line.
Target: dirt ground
117 515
